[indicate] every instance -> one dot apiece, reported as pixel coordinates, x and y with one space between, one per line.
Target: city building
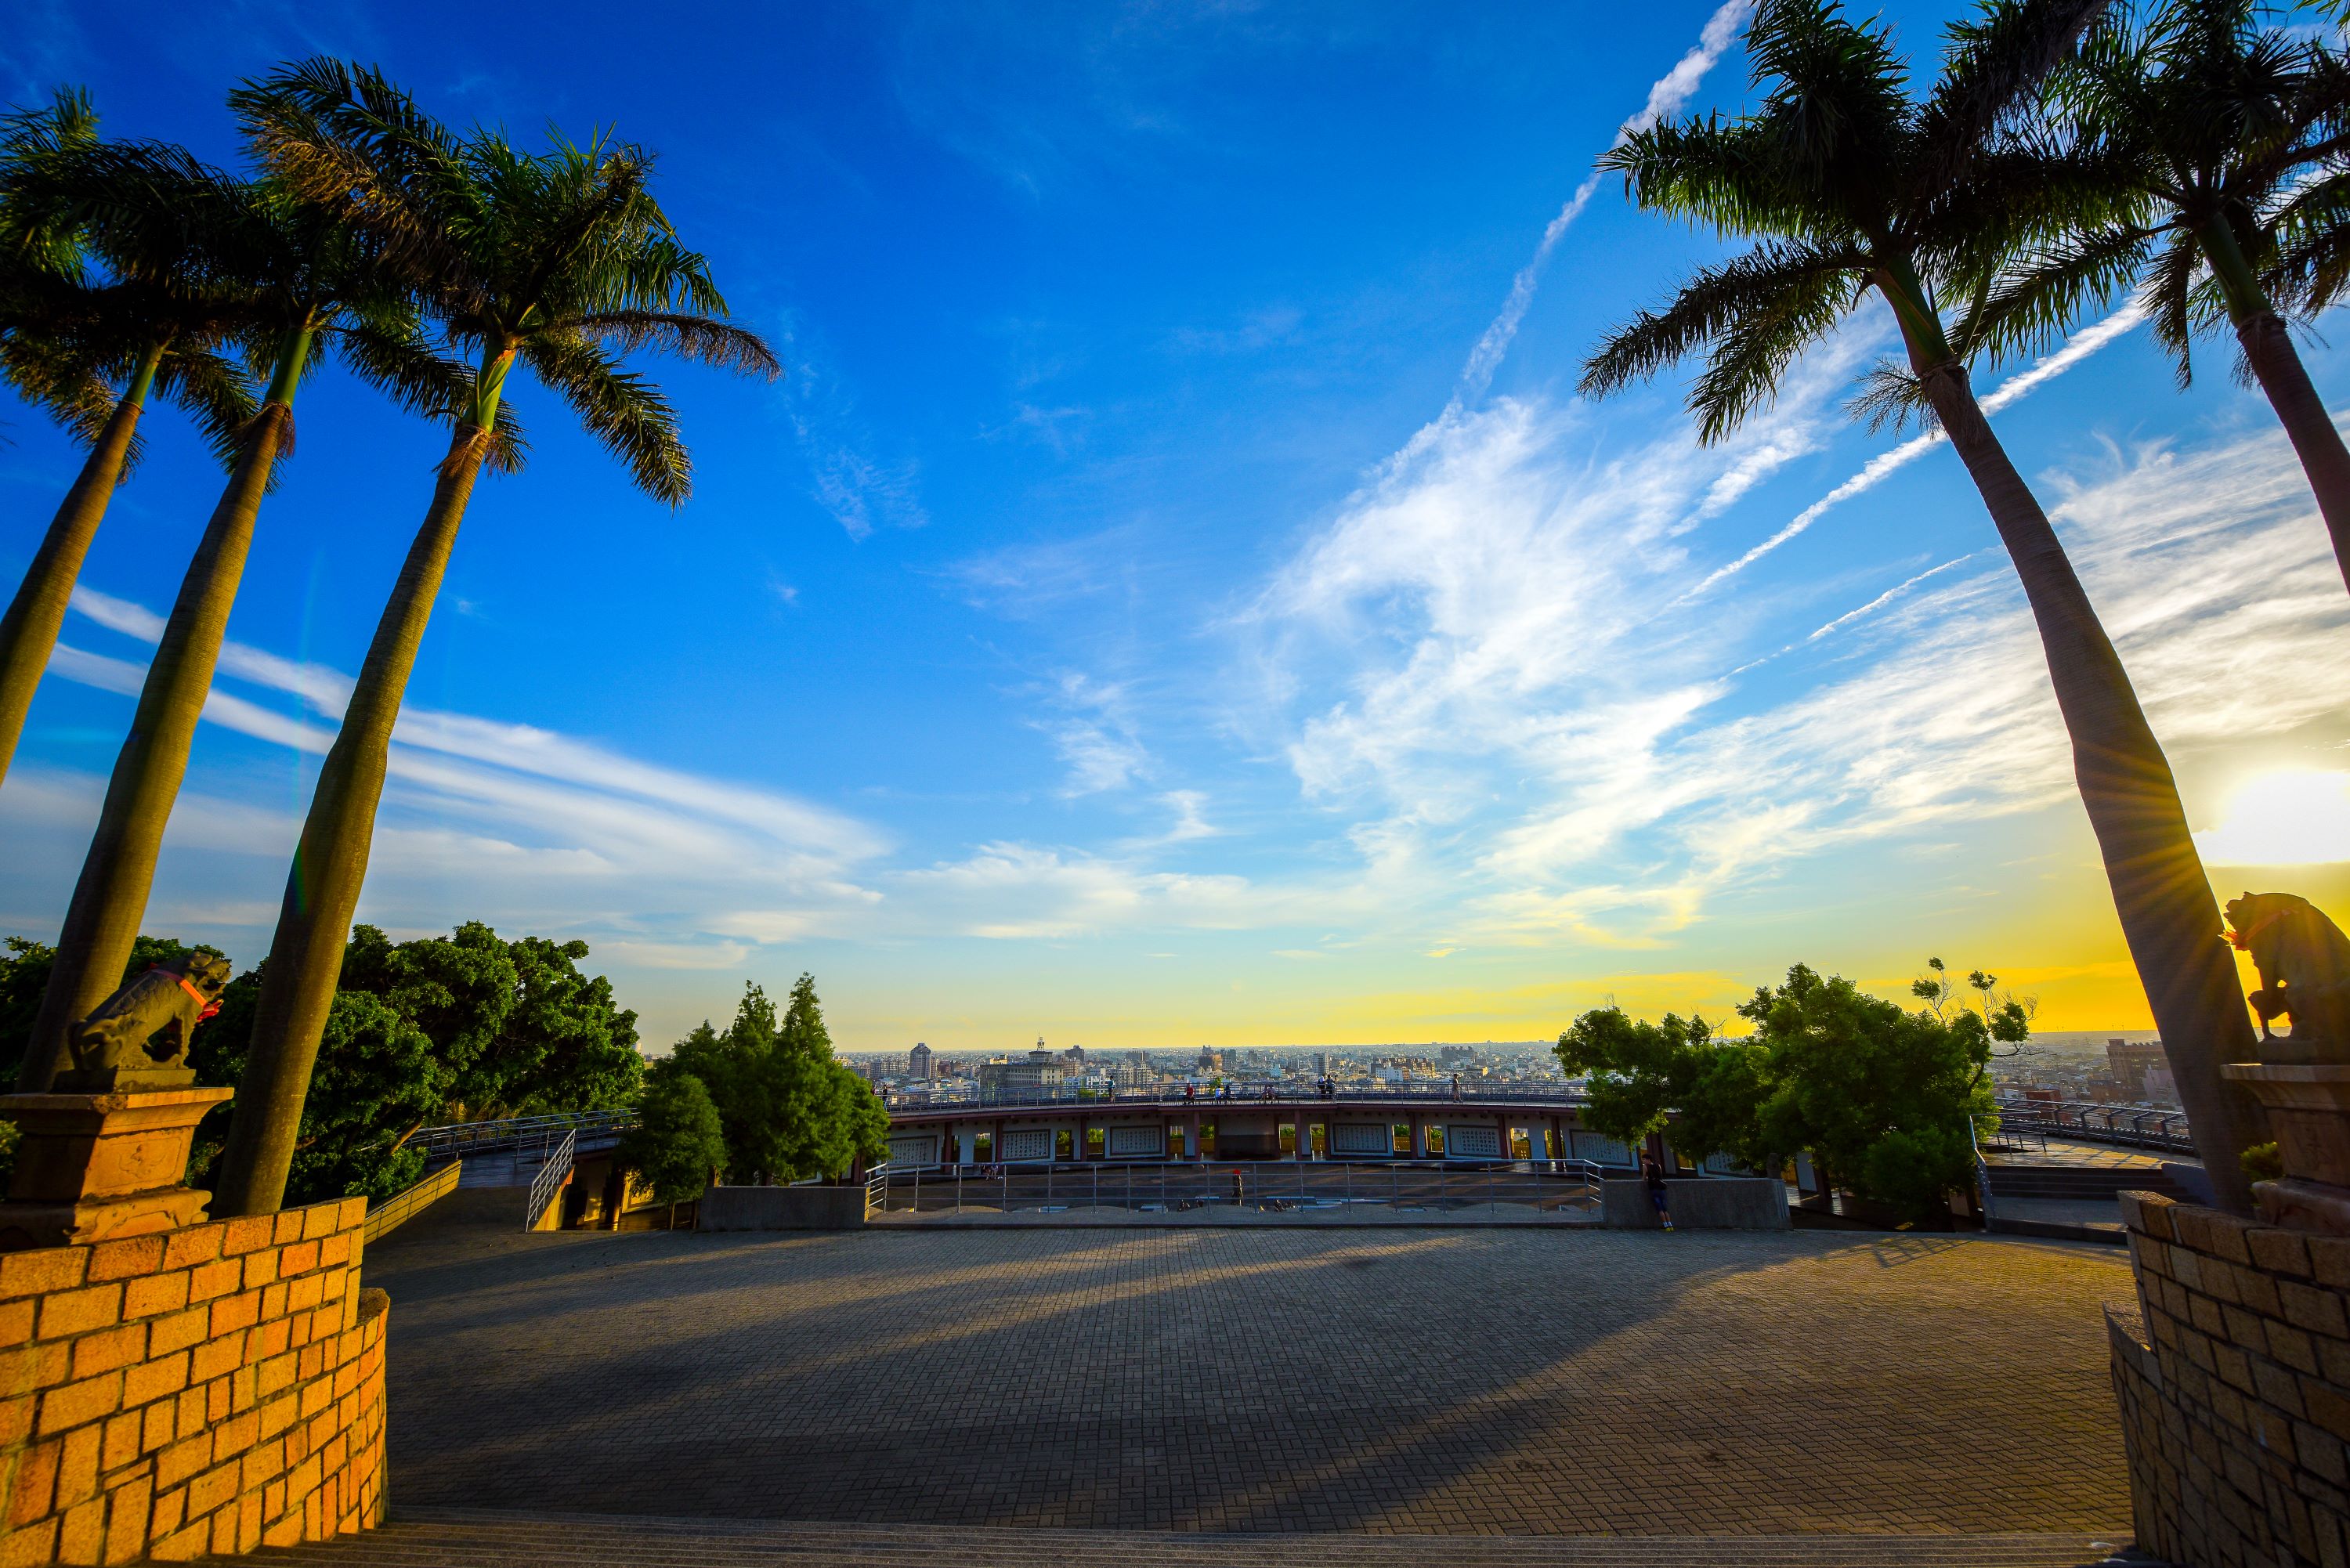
2141 1072
918 1060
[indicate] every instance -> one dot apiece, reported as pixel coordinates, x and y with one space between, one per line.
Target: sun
2295 816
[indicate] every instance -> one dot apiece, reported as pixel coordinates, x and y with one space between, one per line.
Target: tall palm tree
1852 186
308 289
560 261
2218 151
88 348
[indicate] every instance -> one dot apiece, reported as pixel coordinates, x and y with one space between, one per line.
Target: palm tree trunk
111 898
28 632
2168 916
322 892
2276 364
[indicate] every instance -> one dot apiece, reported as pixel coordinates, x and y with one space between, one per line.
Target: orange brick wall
211 1389
2234 1384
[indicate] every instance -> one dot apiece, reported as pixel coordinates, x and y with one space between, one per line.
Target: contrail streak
2083 344
1666 96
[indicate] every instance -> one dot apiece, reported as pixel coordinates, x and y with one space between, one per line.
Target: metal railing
1535 1091
518 1131
397 1209
2133 1126
549 1181
1563 1190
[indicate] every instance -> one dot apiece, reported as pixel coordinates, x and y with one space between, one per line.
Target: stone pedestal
2308 1107
94 1167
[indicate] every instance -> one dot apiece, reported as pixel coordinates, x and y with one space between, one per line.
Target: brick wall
2234 1383
209 1390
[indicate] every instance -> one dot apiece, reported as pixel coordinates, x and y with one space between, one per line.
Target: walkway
1440 1382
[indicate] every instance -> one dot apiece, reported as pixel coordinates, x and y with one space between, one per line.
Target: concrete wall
1714 1203
2234 1381
781 1209
210 1389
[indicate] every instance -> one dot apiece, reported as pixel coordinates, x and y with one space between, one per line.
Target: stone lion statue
2304 961
139 1034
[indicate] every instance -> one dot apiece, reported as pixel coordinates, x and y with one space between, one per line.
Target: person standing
1652 1173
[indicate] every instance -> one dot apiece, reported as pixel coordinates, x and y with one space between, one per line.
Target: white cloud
511 822
1531 740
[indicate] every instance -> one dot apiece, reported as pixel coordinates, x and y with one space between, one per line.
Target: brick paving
1438 1381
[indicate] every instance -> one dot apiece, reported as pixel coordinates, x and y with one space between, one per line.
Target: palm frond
1891 396
406 369
2169 297
214 390
625 412
2032 306
1756 313
1992 71
718 344
344 137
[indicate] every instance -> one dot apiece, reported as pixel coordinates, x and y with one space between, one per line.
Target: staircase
483 1538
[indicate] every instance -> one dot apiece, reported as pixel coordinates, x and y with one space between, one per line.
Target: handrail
1552 1186
549 1180
2142 1127
1538 1093
479 1137
401 1207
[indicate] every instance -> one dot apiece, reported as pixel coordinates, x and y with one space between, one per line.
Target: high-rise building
918 1060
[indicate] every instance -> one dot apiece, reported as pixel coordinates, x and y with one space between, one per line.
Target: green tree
1852 186
1881 1098
307 288
789 1110
561 262
520 1029
1638 1075
2215 144
88 346
678 1141
381 1077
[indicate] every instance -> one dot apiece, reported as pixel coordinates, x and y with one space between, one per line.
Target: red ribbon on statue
211 1007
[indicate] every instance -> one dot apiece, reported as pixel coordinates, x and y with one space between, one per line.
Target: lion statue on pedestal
138 1038
2304 961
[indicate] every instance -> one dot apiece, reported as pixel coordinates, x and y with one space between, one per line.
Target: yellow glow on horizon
2294 817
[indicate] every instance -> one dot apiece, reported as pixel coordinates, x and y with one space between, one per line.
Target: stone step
483 1538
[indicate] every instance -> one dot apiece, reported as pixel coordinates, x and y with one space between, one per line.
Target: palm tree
2216 146
89 348
559 261
309 288
1853 186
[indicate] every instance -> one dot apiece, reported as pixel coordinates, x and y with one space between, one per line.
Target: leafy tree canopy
466 1026
1882 1098
678 1141
789 1110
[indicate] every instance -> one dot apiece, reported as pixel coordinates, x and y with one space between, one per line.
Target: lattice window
1134 1143
1027 1143
1590 1145
1362 1137
1472 1140
914 1148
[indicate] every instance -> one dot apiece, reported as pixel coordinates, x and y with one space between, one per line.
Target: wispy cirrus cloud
513 819
1544 754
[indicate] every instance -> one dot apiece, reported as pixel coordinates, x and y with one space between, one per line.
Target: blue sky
1176 595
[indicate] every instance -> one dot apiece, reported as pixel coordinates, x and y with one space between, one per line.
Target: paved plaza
1433 1382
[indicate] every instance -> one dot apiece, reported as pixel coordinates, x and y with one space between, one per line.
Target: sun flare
2297 817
